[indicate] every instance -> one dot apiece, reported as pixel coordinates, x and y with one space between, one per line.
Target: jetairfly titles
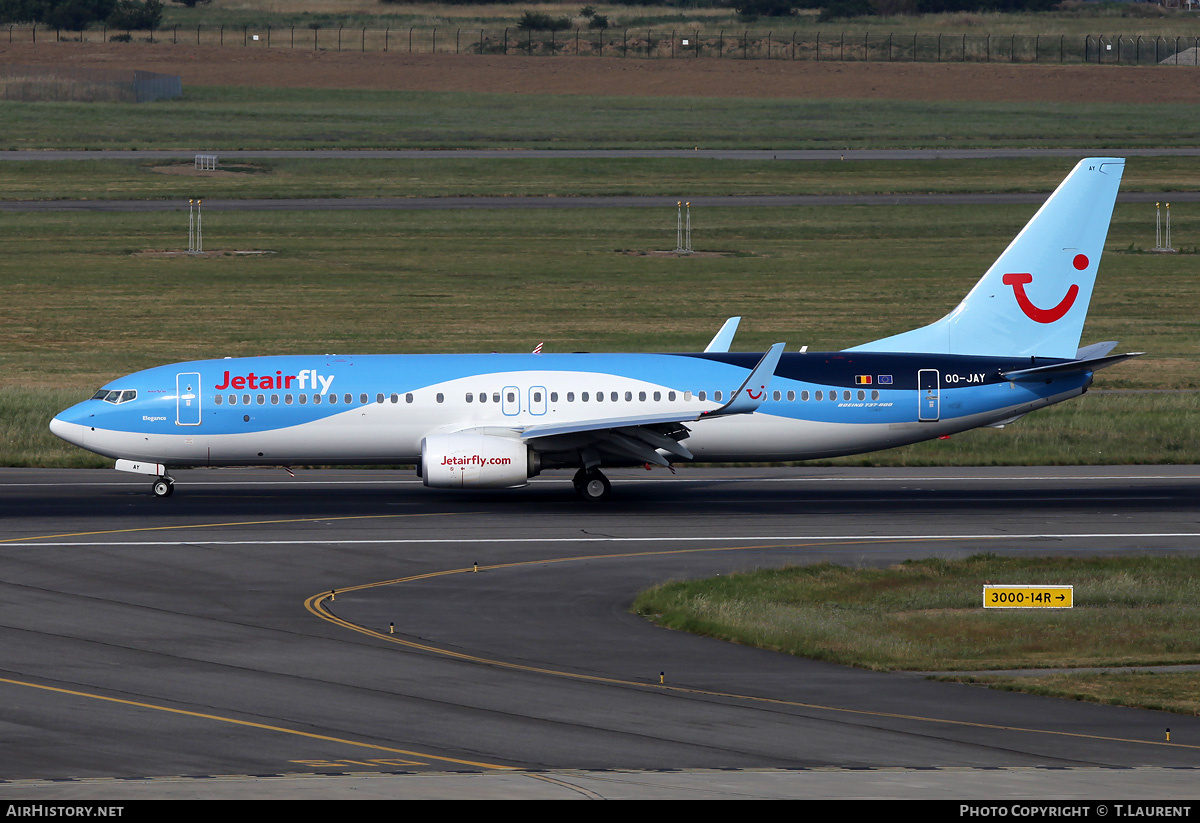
307 378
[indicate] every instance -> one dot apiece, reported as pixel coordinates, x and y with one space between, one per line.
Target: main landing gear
590 484
163 486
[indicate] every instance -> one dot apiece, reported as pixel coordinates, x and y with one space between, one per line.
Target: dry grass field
616 77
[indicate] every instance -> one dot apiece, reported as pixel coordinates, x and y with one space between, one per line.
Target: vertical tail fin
1034 298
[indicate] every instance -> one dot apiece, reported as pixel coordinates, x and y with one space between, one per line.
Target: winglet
724 338
753 392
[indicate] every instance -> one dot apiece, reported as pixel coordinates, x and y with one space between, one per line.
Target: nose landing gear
163 486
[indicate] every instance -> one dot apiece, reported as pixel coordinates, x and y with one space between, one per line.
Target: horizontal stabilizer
1071 366
1096 350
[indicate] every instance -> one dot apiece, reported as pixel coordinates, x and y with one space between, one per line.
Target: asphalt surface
651 201
258 635
517 154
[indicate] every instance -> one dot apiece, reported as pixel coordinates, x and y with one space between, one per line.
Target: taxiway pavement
258 626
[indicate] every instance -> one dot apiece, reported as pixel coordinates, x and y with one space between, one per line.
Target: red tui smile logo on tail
1018 280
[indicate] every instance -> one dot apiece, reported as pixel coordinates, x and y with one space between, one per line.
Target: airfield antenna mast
688 234
1158 229
678 226
683 229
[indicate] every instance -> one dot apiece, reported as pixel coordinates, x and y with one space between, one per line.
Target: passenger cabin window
217 400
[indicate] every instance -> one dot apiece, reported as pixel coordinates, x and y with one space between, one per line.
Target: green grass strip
512 176
927 615
217 118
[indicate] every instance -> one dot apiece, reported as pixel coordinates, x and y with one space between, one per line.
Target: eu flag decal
885 380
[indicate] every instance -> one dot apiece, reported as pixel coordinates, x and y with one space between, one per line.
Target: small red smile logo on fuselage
1018 280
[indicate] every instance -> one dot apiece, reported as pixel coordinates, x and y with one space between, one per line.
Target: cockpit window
115 396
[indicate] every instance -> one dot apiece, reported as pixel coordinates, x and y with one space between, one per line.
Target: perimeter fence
58 83
1126 49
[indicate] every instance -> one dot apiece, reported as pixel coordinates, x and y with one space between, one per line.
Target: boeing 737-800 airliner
496 420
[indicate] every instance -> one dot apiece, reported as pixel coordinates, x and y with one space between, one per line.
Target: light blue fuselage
294 410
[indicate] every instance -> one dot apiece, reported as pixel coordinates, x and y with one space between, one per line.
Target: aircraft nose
61 428
64 425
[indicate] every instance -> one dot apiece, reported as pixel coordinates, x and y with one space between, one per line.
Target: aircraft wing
723 339
641 435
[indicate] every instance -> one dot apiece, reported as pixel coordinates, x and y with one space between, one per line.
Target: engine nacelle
467 460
